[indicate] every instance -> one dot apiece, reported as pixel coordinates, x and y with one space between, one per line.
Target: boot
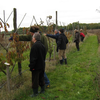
78 49
35 92
61 62
66 61
42 89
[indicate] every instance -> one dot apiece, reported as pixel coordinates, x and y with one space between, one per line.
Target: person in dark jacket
77 35
37 64
55 36
28 37
61 43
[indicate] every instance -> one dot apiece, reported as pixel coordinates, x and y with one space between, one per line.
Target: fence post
8 76
56 19
73 31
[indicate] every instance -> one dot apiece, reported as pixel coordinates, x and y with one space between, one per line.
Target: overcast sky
69 11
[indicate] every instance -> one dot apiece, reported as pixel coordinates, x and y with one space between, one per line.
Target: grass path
77 80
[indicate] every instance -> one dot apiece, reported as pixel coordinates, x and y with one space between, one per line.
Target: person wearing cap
61 43
37 64
55 36
82 35
11 38
33 30
28 37
77 35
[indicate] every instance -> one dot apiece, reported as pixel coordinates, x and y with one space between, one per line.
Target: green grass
76 81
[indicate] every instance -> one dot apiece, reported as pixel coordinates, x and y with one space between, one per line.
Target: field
78 80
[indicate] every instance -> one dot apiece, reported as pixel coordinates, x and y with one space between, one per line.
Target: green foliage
83 26
14 53
50 48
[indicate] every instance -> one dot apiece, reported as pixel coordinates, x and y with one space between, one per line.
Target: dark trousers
47 82
82 38
37 79
77 45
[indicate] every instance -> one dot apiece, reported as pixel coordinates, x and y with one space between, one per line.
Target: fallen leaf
42 97
56 96
60 90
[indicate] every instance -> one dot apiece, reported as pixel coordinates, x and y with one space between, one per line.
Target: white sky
69 11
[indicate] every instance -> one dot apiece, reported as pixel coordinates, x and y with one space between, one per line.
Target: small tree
12 56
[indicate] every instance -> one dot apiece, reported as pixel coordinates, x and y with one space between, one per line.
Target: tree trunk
19 68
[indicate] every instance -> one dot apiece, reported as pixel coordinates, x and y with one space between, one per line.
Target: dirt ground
94 31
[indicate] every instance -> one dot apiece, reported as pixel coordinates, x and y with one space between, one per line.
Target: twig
4 47
13 68
3 71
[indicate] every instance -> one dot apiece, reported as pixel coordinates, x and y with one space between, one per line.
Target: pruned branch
2 20
4 47
3 71
13 68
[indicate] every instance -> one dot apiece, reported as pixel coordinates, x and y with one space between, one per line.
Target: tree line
69 27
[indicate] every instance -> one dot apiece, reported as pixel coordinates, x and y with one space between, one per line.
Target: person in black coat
77 36
37 64
62 41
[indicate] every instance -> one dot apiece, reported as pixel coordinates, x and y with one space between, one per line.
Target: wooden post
56 20
15 30
78 25
8 76
4 23
73 31
15 20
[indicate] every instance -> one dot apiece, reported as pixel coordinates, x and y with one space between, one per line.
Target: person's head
36 37
75 30
61 31
34 29
81 30
56 31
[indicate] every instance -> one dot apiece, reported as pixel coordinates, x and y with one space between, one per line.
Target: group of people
61 41
38 55
39 48
78 35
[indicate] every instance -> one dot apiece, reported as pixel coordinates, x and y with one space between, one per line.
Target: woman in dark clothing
77 35
61 43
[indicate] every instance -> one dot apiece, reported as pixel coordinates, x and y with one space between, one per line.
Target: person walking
82 35
55 36
77 35
33 30
37 64
61 43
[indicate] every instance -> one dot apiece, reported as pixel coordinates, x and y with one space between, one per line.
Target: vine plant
12 56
